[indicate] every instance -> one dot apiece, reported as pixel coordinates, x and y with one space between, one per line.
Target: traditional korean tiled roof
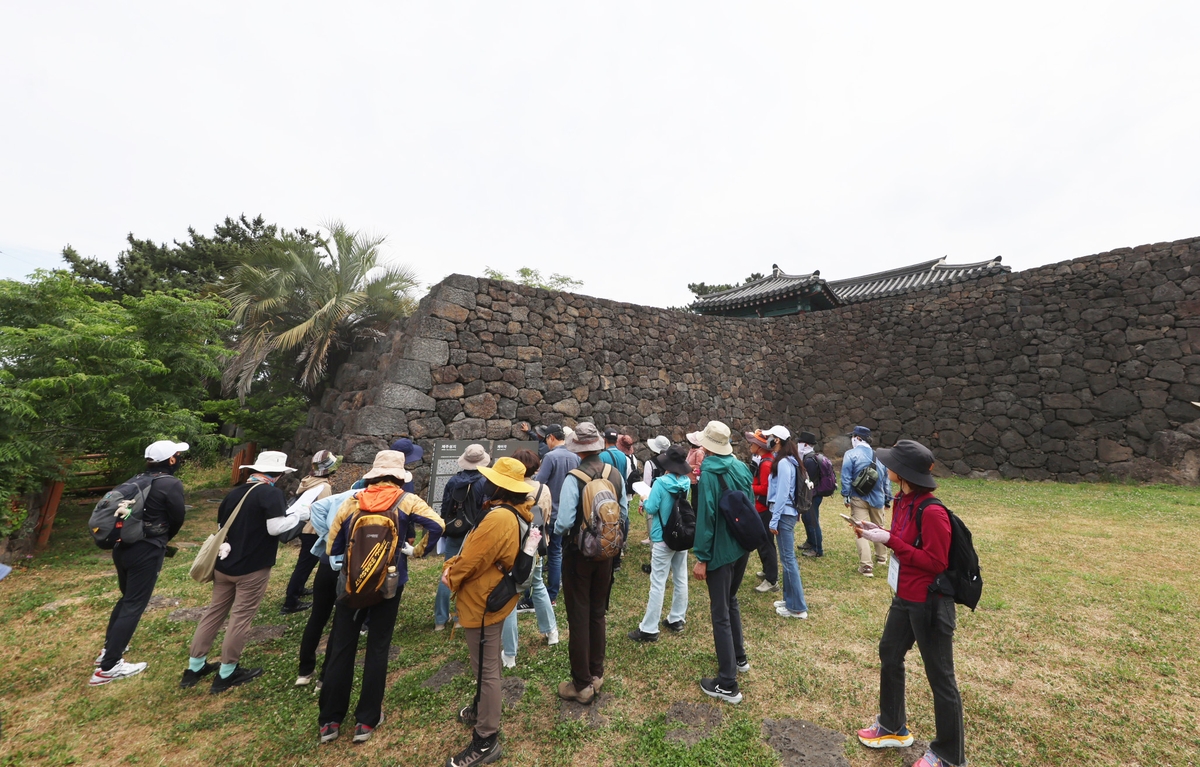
926 274
778 286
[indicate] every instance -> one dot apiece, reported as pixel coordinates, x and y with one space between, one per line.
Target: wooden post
49 510
244 456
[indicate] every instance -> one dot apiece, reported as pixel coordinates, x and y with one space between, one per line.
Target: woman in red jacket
917 557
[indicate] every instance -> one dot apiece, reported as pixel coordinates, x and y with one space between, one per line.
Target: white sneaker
439 627
303 680
100 657
783 612
780 603
119 671
509 661
766 586
552 638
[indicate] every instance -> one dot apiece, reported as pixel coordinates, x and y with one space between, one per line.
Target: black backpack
119 516
740 515
961 578
467 501
680 531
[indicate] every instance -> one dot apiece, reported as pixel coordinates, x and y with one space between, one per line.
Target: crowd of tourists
517 532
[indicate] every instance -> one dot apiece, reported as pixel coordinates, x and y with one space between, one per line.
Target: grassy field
1083 652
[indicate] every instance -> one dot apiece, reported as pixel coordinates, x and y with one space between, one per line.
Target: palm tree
298 300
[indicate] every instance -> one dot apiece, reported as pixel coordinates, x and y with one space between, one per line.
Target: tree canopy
80 375
296 300
199 263
534 278
699 289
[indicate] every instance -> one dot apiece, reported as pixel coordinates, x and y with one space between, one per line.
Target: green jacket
714 543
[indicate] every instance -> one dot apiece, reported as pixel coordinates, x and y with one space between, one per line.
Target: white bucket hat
270 462
659 444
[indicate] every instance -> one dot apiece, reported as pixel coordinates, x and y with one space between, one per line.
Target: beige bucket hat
715 438
474 457
389 463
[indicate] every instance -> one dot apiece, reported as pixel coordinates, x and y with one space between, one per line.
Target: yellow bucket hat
508 473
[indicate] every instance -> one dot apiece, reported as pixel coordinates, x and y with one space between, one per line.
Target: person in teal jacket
664 560
721 562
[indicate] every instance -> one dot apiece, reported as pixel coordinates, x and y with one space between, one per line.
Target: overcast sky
636 146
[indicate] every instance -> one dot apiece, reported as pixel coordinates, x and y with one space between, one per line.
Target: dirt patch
323 644
570 711
697 720
444 675
184 614
512 689
913 752
159 602
264 633
805 744
60 603
187 545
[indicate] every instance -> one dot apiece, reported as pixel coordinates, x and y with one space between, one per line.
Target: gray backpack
117 518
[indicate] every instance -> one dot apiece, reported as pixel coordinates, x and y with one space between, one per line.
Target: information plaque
445 460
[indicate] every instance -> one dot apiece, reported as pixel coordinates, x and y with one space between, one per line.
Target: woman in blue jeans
781 492
547 623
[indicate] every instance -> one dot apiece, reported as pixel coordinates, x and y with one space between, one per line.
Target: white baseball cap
164 449
778 431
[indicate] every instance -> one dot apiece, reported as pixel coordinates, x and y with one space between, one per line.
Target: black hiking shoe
192 678
676 627
638 635
239 677
480 751
299 607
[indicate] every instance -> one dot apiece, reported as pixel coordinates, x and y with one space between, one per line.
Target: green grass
1082 653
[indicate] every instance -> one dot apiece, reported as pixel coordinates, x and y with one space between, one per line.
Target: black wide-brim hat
674 460
911 460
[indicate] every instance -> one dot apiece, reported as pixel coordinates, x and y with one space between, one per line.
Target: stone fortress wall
1078 371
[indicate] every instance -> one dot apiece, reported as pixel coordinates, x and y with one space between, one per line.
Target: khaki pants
861 512
487 713
235 596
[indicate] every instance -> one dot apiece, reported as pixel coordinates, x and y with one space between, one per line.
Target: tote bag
206 558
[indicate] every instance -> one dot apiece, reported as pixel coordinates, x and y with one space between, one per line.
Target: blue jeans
812 526
793 588
554 565
541 607
441 603
664 562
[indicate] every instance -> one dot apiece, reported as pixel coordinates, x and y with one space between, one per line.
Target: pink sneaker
931 760
877 737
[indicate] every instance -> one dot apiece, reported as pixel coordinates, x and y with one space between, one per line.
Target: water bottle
391 583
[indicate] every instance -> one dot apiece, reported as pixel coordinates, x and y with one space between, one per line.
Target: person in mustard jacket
488 552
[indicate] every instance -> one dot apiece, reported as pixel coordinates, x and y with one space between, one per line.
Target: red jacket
918 567
761 480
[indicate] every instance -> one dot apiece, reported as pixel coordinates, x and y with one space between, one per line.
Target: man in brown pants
586 583
241 573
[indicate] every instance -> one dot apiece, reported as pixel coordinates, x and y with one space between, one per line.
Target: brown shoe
866 570
597 683
567 691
